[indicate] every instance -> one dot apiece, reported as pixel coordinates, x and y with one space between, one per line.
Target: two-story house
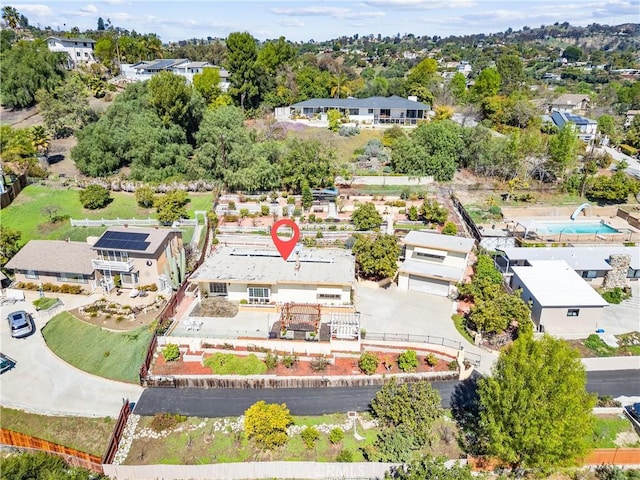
586 129
433 263
78 50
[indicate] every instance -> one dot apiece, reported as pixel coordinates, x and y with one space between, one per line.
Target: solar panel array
123 241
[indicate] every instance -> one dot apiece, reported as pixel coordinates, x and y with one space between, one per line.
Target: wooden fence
116 435
471 225
73 457
12 188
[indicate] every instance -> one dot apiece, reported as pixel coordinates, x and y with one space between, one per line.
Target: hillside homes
144 70
78 50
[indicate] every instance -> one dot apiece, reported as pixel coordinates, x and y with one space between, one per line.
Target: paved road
318 401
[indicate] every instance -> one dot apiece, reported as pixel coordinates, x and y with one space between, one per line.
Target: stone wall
617 276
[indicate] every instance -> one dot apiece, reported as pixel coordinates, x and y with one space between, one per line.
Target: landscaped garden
112 355
90 435
594 346
42 212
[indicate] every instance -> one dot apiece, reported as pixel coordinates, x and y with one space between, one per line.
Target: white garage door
429 285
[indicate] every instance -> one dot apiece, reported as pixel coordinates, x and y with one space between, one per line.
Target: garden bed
115 316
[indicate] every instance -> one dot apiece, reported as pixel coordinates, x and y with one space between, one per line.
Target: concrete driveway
42 383
624 317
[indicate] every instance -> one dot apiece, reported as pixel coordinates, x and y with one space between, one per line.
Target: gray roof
57 256
578 258
266 266
553 283
371 102
431 270
156 239
439 241
570 99
77 39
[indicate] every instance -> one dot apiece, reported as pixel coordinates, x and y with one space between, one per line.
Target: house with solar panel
138 257
144 70
373 110
586 129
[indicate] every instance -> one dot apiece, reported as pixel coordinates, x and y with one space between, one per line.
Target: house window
85 44
218 288
385 112
258 294
428 256
129 279
573 312
77 54
589 274
72 278
329 296
370 111
354 111
32 274
86 54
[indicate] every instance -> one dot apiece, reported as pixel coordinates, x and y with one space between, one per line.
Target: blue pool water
551 228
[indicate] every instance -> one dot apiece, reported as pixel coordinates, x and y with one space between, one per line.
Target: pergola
300 317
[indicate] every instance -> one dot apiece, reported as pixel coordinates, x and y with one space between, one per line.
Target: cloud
419 4
291 22
113 2
86 11
616 8
334 12
121 16
40 11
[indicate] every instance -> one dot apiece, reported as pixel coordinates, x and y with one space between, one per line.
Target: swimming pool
575 227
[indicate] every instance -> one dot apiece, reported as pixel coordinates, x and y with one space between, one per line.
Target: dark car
21 324
6 363
633 412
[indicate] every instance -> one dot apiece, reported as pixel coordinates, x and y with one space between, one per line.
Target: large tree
366 217
563 150
9 243
511 70
487 83
307 160
267 423
535 411
377 257
242 54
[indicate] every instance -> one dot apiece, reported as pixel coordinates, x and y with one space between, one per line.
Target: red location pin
285 247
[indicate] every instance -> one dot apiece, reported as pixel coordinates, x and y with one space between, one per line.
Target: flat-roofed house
57 262
433 263
561 302
261 276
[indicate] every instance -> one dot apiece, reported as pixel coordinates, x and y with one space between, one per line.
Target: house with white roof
78 50
561 302
144 70
433 263
262 276
590 263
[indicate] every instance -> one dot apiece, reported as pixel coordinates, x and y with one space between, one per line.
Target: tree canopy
377 257
535 411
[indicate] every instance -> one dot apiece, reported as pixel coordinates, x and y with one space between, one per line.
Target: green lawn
90 435
27 212
45 303
112 355
607 428
458 321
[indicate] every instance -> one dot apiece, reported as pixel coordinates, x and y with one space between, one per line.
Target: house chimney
412 98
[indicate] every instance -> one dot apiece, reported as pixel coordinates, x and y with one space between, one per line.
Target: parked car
633 412
21 324
6 363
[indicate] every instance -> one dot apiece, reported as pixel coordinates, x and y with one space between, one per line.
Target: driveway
42 383
391 310
624 317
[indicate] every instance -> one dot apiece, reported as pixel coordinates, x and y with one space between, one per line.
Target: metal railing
408 337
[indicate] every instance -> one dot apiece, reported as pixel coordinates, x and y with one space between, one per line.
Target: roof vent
412 98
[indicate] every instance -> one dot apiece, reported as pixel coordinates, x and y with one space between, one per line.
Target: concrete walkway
598 364
43 383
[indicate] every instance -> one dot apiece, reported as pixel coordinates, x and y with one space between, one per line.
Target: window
71 278
31 274
428 256
329 296
258 294
589 274
218 288
573 312
354 111
77 54
85 44
129 279
385 112
370 111
86 54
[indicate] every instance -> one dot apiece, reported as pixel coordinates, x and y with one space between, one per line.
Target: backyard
112 355
34 208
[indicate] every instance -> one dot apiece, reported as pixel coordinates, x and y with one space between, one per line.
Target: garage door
429 285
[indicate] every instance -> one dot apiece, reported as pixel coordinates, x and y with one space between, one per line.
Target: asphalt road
205 403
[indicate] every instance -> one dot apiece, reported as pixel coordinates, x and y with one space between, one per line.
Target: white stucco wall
452 259
283 293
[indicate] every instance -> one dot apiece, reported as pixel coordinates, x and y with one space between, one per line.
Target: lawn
344 146
45 303
27 212
607 428
221 440
458 321
112 355
594 346
90 435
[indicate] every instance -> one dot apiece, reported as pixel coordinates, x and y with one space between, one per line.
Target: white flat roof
579 258
439 241
318 266
553 283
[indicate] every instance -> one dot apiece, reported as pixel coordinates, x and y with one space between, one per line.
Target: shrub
171 352
449 229
431 360
230 364
291 200
348 131
453 365
368 363
165 421
408 361
309 436
336 435
496 211
319 364
94 197
267 423
615 296
289 360
608 401
264 210
232 205
271 360
228 217
345 456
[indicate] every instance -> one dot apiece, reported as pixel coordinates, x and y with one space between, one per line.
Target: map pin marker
285 247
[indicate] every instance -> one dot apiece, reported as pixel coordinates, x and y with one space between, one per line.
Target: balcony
112 265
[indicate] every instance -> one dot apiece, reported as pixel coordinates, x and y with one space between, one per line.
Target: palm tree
40 139
11 16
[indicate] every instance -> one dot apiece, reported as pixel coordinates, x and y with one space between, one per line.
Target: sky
303 20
